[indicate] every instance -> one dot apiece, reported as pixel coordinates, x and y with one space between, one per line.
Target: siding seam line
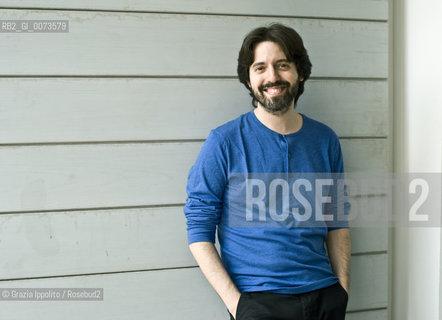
200 14
68 143
108 272
370 309
185 77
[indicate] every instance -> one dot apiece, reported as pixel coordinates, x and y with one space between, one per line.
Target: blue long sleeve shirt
285 257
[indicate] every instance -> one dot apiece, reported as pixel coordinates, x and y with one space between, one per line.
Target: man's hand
210 264
234 305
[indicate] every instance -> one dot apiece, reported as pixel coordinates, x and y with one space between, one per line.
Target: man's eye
284 66
259 69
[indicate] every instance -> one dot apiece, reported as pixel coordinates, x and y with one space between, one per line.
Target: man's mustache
273 84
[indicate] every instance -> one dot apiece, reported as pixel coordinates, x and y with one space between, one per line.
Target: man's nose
272 75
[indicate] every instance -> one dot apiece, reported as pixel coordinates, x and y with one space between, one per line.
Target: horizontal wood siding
121 44
85 242
381 314
90 109
82 176
100 126
349 9
170 294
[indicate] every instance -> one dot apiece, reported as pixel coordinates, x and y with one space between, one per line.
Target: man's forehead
264 47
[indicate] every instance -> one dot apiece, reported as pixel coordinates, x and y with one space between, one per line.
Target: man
282 271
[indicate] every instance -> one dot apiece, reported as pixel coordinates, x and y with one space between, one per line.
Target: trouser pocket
240 310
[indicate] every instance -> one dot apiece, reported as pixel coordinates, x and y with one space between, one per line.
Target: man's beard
280 103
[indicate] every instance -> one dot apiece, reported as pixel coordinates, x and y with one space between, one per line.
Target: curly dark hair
290 43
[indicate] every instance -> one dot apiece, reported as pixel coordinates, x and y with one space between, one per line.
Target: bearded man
273 267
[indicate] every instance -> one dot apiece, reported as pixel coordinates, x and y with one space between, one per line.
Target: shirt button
289 155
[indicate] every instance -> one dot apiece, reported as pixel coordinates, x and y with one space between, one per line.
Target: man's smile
274 91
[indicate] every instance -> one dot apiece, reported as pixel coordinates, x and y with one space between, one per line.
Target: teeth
274 90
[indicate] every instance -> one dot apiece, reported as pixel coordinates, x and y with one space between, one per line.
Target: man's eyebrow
257 64
283 60
277 61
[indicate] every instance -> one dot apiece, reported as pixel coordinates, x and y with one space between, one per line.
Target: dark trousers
328 303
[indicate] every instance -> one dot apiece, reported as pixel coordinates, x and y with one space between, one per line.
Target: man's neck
289 122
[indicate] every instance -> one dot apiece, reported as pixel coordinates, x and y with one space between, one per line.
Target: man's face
273 79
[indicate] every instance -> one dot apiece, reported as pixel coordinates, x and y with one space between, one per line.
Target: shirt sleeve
205 190
339 207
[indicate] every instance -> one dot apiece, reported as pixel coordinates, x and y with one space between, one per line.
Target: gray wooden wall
99 127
